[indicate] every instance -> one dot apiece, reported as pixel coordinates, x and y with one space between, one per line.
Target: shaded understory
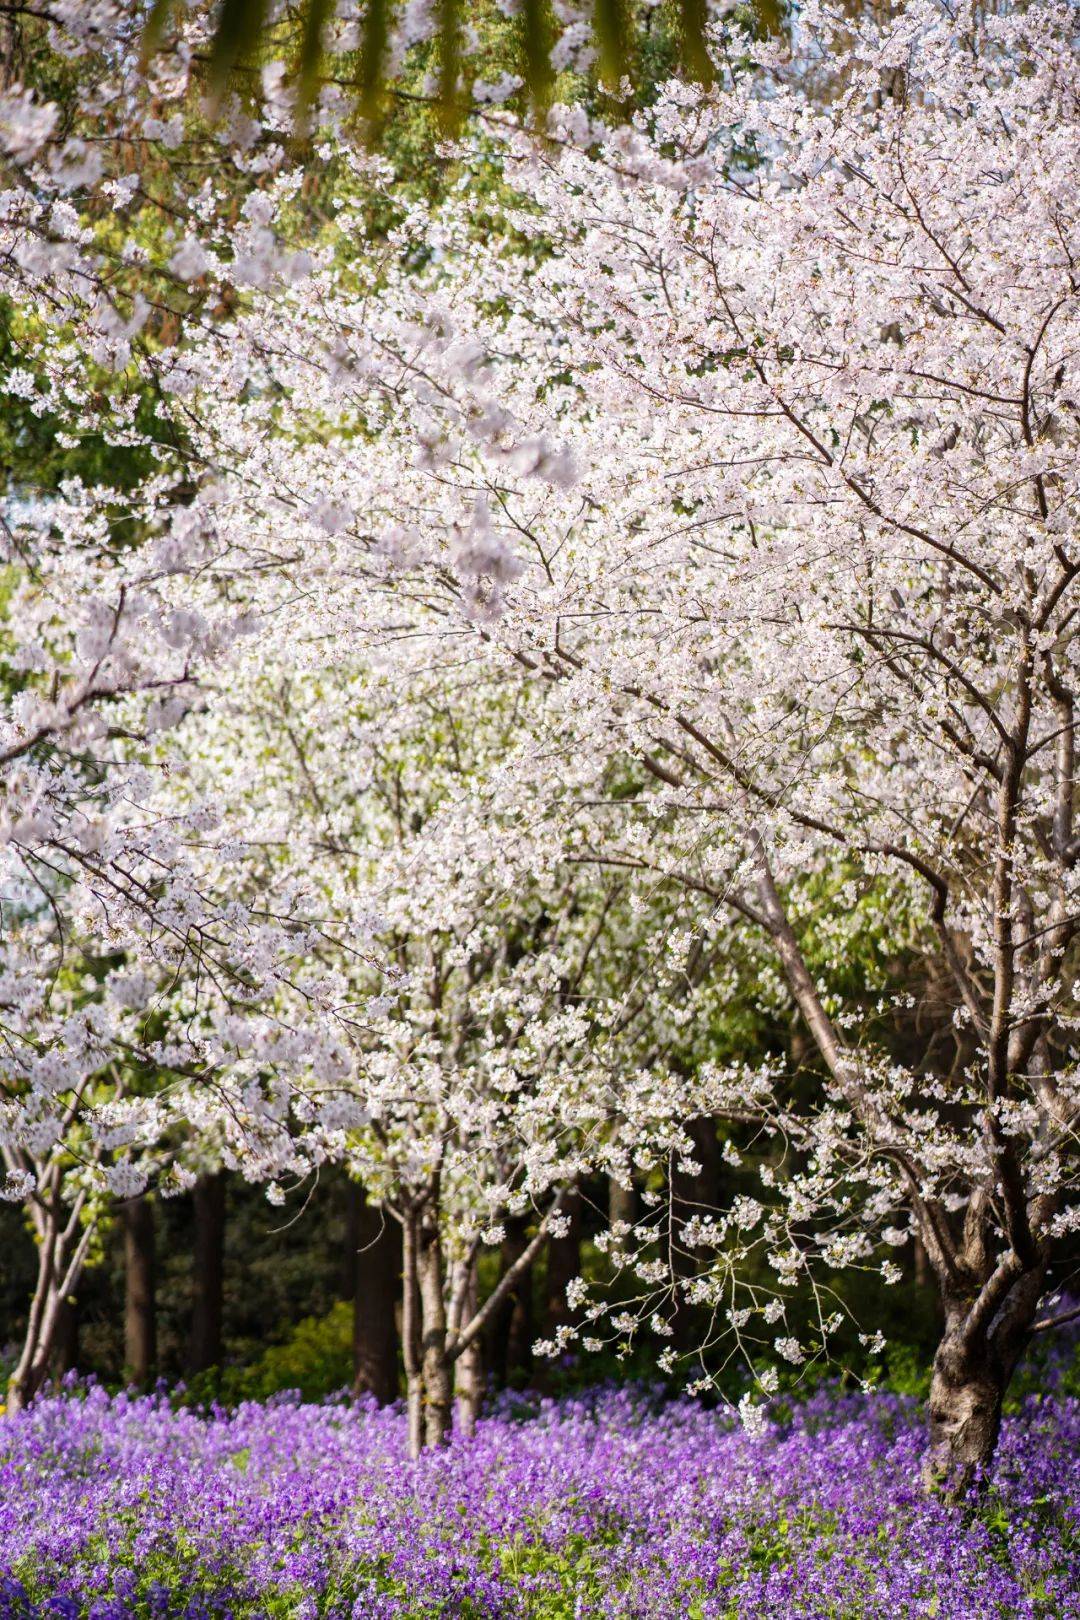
610 1505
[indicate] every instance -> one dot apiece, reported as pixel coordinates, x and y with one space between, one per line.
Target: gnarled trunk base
973 1366
965 1421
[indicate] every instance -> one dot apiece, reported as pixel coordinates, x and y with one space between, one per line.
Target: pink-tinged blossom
812 587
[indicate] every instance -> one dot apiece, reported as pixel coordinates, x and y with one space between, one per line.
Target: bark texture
972 1369
140 1301
64 1235
376 1262
469 1368
205 1347
65 1349
437 1376
410 1331
563 1265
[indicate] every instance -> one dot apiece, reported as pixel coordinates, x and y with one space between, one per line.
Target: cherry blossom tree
101 915
493 1045
764 462
753 446
79 1124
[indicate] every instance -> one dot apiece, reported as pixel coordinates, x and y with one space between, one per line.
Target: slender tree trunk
140 1306
410 1332
469 1368
438 1383
354 1205
563 1265
204 1350
521 1329
436 1337
691 1194
62 1250
376 1269
512 1330
11 51
32 1367
65 1351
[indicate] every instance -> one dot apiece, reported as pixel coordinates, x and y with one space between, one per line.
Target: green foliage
907 1370
1052 1362
33 458
315 1359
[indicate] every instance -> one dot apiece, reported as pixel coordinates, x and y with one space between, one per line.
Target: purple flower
610 1504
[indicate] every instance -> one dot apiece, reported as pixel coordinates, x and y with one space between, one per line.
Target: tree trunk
622 1202
204 1350
11 51
563 1265
622 1211
410 1332
438 1385
62 1250
140 1312
971 1374
32 1368
691 1194
966 1397
512 1330
65 1350
354 1205
521 1328
376 1270
469 1369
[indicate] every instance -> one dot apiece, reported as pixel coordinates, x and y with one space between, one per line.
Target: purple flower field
609 1505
